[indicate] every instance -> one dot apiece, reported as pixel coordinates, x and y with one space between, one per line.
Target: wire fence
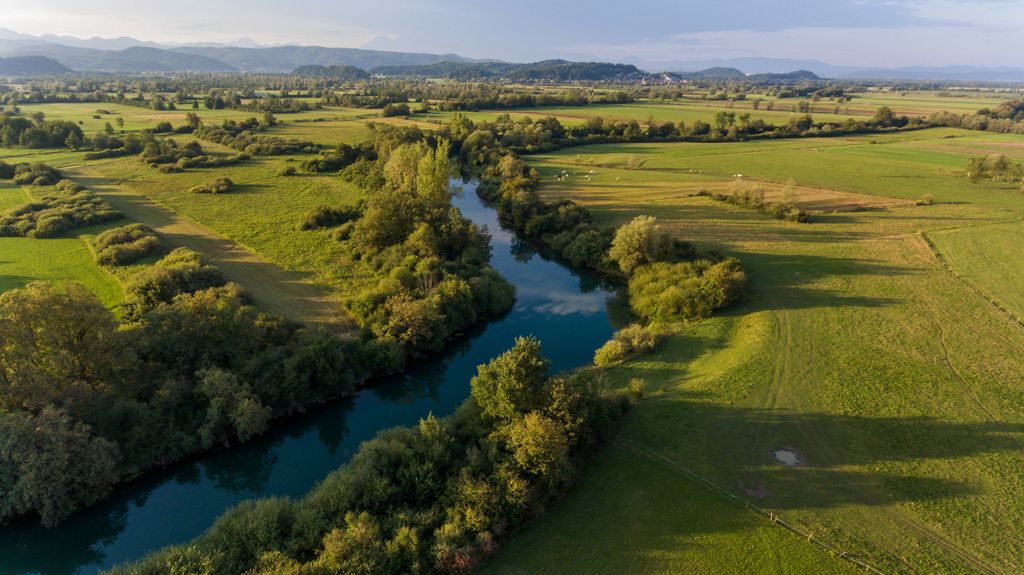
773 517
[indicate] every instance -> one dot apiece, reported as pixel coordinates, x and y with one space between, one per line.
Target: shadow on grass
730 445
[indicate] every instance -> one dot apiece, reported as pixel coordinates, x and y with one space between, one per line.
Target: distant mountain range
753 66
126 54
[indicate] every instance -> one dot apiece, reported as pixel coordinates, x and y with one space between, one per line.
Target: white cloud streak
884 47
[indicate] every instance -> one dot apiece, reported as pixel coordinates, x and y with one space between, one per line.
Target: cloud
939 45
1008 14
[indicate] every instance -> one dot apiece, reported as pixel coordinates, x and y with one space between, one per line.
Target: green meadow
984 256
261 214
25 260
891 379
902 165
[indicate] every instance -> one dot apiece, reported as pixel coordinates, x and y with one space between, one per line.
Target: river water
570 311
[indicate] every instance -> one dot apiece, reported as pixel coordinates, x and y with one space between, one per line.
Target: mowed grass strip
261 214
25 260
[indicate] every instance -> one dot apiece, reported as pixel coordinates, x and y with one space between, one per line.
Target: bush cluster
627 342
233 136
125 245
342 157
70 207
220 185
686 291
327 217
105 146
752 196
180 272
435 498
36 174
168 152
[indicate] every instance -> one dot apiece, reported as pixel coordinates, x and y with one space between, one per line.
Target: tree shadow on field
784 281
845 461
16 281
738 444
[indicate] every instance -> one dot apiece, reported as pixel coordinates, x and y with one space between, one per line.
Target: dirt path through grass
273 289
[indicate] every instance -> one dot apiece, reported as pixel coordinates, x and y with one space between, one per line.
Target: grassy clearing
981 255
856 349
261 214
25 260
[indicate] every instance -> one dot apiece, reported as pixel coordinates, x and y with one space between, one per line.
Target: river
572 313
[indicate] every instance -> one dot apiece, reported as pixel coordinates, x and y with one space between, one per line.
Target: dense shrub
168 152
37 174
6 171
327 217
125 245
685 291
181 271
101 141
186 163
627 342
55 214
221 185
257 145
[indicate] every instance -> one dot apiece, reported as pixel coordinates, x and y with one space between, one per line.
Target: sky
882 33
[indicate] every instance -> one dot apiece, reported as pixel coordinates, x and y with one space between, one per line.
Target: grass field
984 256
893 380
899 165
25 260
261 214
646 517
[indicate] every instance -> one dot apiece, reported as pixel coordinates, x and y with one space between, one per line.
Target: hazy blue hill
135 59
31 66
287 58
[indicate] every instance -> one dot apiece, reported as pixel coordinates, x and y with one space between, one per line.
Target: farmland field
891 378
979 255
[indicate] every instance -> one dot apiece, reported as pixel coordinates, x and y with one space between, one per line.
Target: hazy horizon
868 33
